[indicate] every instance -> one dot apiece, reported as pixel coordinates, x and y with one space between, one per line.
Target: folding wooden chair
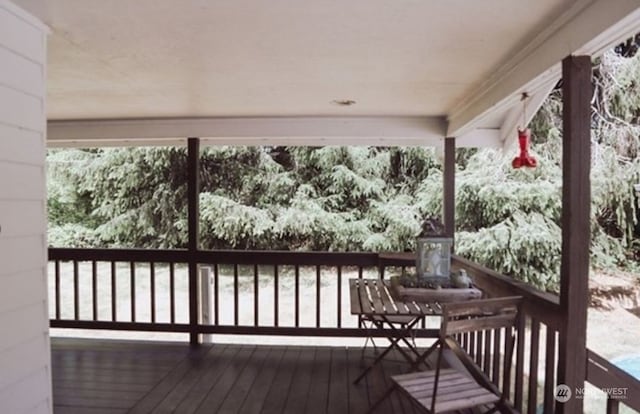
445 390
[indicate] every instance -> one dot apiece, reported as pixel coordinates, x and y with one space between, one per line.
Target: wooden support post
613 406
193 218
449 187
576 203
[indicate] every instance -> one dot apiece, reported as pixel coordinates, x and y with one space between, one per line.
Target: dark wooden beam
576 203
449 187
193 218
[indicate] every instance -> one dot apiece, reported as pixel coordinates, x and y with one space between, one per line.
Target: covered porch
308 303
196 73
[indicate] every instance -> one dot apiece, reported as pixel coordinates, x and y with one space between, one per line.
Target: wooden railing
619 387
267 293
147 290
534 379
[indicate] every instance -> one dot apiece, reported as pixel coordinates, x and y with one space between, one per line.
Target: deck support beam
576 203
449 188
193 218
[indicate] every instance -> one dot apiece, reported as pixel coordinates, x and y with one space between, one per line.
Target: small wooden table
374 299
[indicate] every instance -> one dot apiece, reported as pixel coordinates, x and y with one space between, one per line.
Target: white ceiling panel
124 59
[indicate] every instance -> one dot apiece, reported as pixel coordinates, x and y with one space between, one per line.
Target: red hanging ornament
524 159
524 136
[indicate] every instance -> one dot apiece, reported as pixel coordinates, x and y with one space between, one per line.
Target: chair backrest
471 316
479 315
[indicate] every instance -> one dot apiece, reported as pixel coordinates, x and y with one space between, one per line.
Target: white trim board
588 28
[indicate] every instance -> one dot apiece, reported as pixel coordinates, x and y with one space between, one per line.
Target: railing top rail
284 257
608 377
119 255
543 306
261 257
527 290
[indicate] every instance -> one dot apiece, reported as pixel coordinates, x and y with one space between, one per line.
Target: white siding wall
25 377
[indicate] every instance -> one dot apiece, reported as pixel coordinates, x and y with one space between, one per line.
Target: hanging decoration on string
524 137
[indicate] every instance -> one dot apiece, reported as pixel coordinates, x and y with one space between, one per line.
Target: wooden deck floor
105 376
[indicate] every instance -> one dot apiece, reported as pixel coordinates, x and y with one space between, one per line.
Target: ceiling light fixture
343 102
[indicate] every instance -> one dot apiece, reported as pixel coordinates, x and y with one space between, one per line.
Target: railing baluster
114 309
360 272
317 296
549 370
152 293
276 304
479 350
533 367
519 387
216 292
132 275
297 296
76 291
235 295
497 338
507 380
472 344
57 282
487 352
172 292
256 295
339 296
94 288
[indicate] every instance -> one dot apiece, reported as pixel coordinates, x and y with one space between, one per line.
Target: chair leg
386 395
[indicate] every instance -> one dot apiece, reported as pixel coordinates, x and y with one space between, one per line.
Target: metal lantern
433 259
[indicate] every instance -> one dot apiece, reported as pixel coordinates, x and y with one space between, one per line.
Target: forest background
368 198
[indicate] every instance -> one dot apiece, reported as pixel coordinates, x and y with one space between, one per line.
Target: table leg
394 340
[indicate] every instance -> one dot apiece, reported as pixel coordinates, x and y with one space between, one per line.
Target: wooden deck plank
318 396
339 382
358 394
198 367
243 386
103 376
218 365
297 398
61 409
73 385
218 393
392 366
88 378
62 395
277 396
261 386
374 383
169 382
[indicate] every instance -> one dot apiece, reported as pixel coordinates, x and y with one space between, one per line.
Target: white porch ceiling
451 66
